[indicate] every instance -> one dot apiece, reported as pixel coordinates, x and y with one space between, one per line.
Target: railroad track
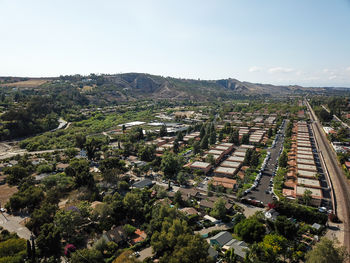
342 191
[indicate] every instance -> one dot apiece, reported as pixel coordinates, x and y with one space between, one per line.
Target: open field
31 83
5 193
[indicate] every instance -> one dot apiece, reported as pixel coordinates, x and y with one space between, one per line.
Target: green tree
221 136
179 136
196 147
129 229
170 165
71 152
79 170
175 243
111 168
80 141
285 227
210 159
270 133
15 174
219 209
274 247
205 142
254 159
87 256
163 131
181 178
178 198
92 147
283 160
202 132
230 256
176 146
70 224
49 241
147 153
212 138
13 250
28 197
133 205
327 251
250 230
245 138
248 157
234 137
42 215
307 197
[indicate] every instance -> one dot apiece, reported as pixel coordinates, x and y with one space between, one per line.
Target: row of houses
230 167
301 176
257 136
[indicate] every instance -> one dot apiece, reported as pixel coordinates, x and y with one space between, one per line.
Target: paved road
5 155
340 183
260 192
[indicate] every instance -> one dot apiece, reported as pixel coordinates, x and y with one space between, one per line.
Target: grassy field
31 83
65 138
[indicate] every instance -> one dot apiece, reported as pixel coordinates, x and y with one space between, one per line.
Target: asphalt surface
259 193
340 183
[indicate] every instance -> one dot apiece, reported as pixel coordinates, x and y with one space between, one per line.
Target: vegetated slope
139 85
134 86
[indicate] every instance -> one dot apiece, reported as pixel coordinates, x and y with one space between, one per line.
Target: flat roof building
311 168
240 154
231 164
305 161
316 194
235 159
223 181
308 174
309 182
305 156
246 146
225 171
205 167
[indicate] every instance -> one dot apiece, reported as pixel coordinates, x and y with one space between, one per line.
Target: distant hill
133 86
140 85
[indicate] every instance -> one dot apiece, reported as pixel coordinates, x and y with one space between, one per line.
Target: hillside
134 86
139 85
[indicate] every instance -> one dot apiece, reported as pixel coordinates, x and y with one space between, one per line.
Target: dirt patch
6 192
31 83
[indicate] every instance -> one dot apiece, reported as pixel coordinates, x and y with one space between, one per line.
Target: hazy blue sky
303 42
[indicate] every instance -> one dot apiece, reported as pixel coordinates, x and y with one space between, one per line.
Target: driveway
216 227
13 224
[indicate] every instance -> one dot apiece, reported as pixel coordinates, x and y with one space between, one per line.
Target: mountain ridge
131 86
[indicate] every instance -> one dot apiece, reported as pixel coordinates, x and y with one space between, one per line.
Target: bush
44 168
309 215
129 229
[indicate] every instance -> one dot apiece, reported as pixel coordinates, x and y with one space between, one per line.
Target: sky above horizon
271 41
